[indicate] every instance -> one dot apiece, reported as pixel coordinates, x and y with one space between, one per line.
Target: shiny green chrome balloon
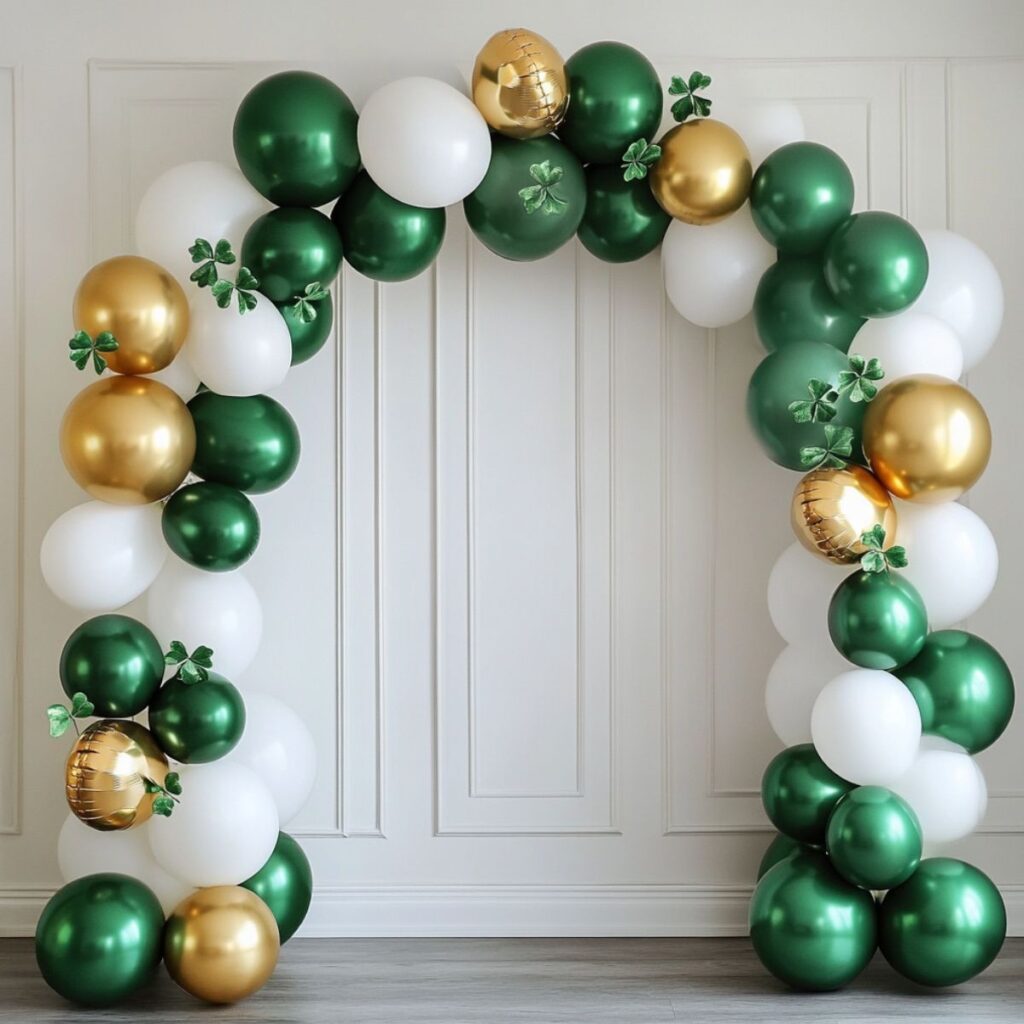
116 662
211 526
779 849
383 238
99 939
809 927
197 722
295 139
963 688
799 791
308 336
249 443
622 220
285 884
874 838
944 925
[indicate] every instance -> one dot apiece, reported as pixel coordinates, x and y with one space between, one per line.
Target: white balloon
953 559
911 342
179 376
279 748
764 125
423 142
218 609
99 577
223 829
796 678
964 290
800 588
866 727
711 271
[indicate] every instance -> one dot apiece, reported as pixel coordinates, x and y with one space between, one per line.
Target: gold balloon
127 440
703 173
221 943
927 438
520 85
106 772
138 302
831 508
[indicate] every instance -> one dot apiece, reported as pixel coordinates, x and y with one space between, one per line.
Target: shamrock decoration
166 795
689 103
61 717
820 408
209 256
304 306
82 346
639 158
857 380
877 560
838 447
242 287
192 668
542 196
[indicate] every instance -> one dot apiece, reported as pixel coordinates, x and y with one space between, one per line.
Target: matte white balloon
796 678
800 588
909 343
764 125
179 376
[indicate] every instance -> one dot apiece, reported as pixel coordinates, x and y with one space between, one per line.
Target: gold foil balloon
831 508
927 438
703 173
105 776
520 85
221 943
141 305
127 440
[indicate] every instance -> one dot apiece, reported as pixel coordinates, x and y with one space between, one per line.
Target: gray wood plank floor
542 981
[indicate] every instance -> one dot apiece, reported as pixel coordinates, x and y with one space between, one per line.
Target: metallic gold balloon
520 85
703 173
221 943
927 438
105 776
138 302
127 440
831 508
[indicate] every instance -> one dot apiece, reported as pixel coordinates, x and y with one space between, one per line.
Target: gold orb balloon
703 173
927 438
221 943
831 508
106 772
141 305
127 440
520 85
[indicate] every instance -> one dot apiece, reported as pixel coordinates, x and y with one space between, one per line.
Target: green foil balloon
197 722
944 925
874 838
99 939
308 336
249 443
295 139
622 220
116 662
810 928
779 849
383 238
211 526
285 884
799 791
502 217
876 264
963 688
615 97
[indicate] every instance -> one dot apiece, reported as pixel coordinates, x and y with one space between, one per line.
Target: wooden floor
543 981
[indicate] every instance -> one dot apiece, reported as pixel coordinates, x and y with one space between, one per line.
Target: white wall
516 587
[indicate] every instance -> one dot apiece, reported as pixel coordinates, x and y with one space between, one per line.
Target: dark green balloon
876 264
497 214
249 443
779 849
289 249
197 722
99 939
793 303
810 928
383 238
116 662
285 884
799 791
963 688
211 526
944 925
622 220
295 139
615 98
308 336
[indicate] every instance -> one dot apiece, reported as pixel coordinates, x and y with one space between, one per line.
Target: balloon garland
173 847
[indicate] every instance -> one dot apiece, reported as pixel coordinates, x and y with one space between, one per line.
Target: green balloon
295 139
289 249
383 238
799 791
99 939
622 220
877 620
211 526
779 849
249 443
944 925
793 303
116 662
285 884
197 722
874 838
799 195
498 213
308 336
809 927
615 98
876 264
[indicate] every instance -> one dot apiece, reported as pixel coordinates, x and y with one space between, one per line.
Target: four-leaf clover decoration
166 795
857 381
689 103
192 668
242 288
61 718
877 560
304 304
82 347
208 256
639 158
833 454
820 407
542 196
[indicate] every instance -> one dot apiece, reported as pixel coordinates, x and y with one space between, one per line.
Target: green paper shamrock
689 103
166 795
192 668
877 560
639 158
304 306
838 447
820 408
542 196
61 717
209 256
82 346
242 288
857 380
